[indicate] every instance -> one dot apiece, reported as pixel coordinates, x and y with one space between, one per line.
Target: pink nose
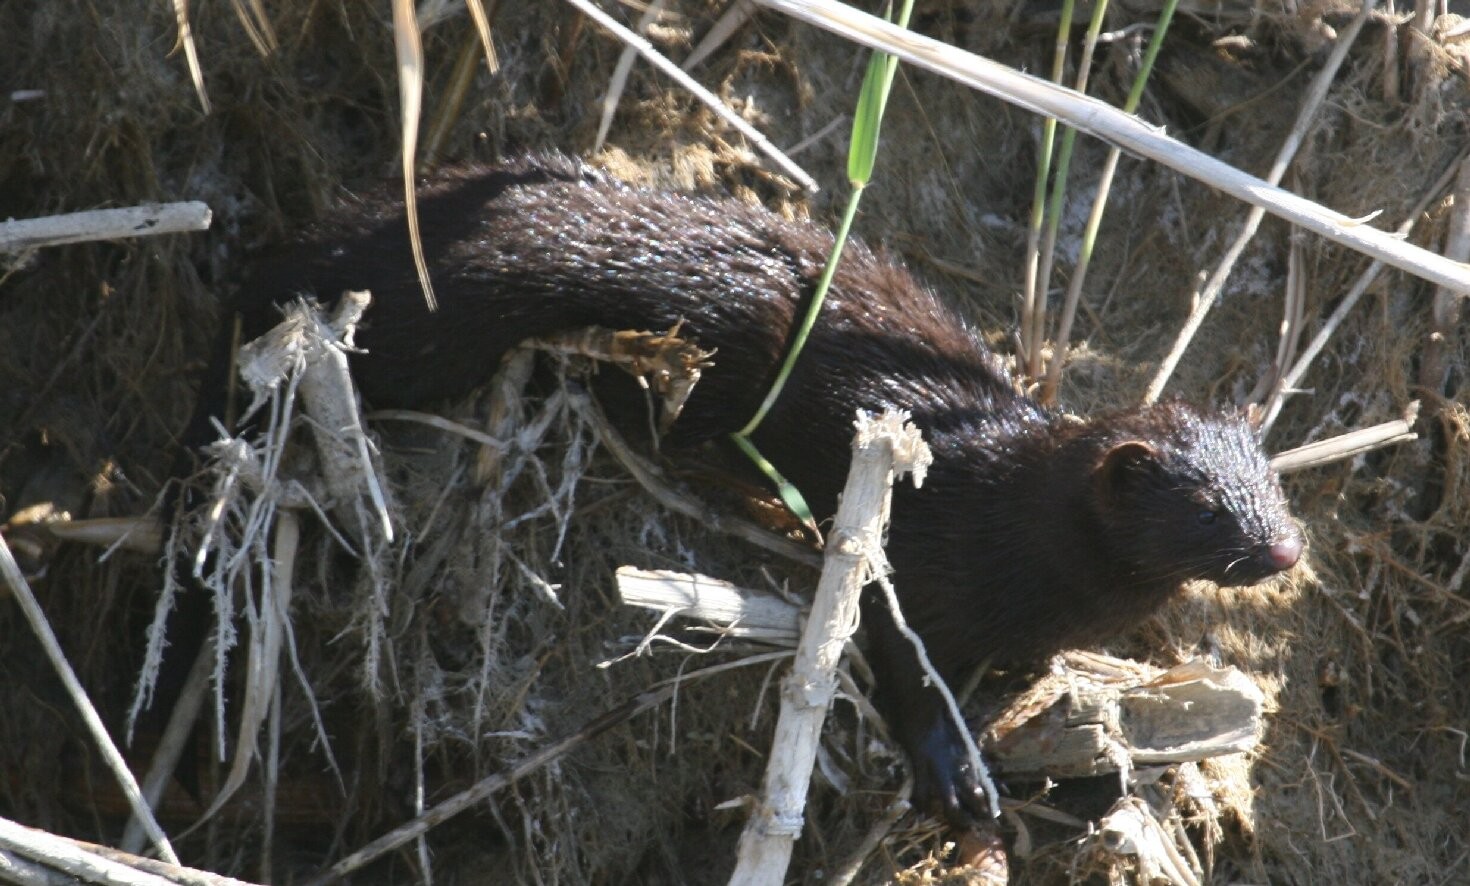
1285 553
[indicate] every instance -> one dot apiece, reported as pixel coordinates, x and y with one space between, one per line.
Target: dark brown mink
1034 531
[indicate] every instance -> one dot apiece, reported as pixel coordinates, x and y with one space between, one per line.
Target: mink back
544 244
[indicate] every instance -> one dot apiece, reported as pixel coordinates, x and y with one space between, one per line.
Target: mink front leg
944 782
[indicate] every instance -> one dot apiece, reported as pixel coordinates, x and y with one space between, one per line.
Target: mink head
1185 495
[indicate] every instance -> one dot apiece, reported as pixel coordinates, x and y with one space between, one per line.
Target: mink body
1033 533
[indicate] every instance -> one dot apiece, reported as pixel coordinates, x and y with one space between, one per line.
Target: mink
1034 532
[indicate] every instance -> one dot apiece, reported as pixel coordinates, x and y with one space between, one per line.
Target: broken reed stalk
21 589
19 235
884 448
1316 94
1347 445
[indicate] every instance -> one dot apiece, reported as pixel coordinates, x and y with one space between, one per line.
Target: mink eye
1206 517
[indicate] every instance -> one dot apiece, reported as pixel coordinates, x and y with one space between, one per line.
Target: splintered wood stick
18 235
885 447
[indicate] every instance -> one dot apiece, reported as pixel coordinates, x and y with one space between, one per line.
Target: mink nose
1283 554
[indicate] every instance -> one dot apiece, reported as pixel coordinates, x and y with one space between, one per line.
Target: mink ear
1112 469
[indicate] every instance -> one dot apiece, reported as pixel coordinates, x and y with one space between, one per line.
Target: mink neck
1025 548
1074 529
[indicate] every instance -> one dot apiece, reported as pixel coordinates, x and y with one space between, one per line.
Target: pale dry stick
733 611
142 535
709 99
257 25
1378 766
329 397
1446 311
1347 445
180 875
191 52
271 778
1102 121
1295 312
21 871
441 423
1364 281
1271 389
654 483
1424 15
1268 386
55 855
421 845
482 27
1390 63
21 591
884 449
738 14
19 235
451 103
817 136
504 417
619 79
1316 93
175 738
847 871
409 51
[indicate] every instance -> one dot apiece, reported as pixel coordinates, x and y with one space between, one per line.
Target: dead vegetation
479 639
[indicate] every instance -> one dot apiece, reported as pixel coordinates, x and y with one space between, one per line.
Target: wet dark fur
1033 532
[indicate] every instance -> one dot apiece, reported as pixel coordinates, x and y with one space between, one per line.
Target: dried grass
1362 778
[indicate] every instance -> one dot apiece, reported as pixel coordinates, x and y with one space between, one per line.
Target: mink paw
944 782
